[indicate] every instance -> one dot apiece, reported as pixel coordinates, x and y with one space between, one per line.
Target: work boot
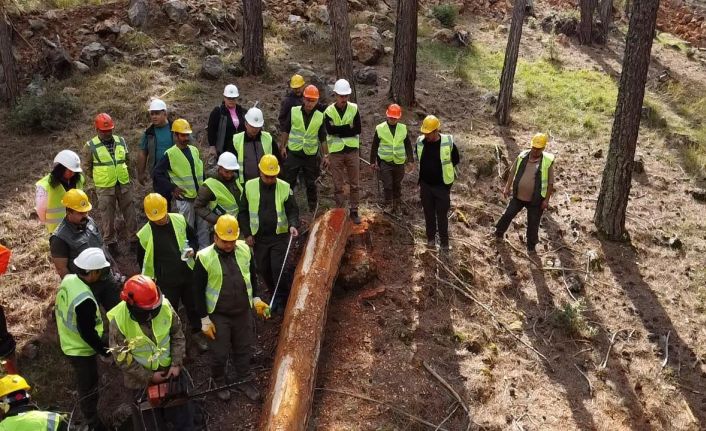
223 394
395 207
431 244
199 341
354 216
444 247
249 390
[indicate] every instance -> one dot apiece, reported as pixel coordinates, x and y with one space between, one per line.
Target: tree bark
253 40
291 392
342 51
617 174
404 62
12 83
586 24
502 110
606 13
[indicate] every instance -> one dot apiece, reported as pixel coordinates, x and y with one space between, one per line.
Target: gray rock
490 98
387 50
188 33
638 166
91 53
236 69
292 66
212 47
294 19
212 67
53 14
318 13
178 66
366 44
107 27
176 10
37 24
81 67
138 13
106 61
125 29
387 34
312 78
366 76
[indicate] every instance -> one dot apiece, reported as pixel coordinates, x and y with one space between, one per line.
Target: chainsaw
175 392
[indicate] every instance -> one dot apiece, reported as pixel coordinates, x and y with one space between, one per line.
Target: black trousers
183 292
269 258
86 377
309 166
235 338
534 215
436 201
391 176
7 342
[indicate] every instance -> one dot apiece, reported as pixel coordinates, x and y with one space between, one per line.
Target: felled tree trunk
291 390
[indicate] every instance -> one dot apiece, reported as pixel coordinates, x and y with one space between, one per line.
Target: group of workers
226 231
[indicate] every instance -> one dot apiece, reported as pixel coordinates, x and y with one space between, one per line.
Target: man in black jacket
291 99
224 122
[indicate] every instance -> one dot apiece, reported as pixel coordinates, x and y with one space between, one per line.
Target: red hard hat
104 123
311 92
394 111
140 291
4 258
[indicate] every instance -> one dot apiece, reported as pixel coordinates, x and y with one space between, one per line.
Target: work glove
208 328
262 308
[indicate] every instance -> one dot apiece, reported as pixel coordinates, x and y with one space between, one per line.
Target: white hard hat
342 87
158 105
231 91
254 117
228 161
69 159
91 259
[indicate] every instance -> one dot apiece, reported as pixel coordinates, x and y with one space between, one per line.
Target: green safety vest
107 171
33 420
180 170
145 236
55 209
252 192
224 198
391 148
305 138
447 167
335 143
239 142
150 354
547 160
209 259
72 292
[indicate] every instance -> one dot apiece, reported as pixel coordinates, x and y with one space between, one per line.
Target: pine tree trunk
404 63
342 51
617 174
8 60
586 24
502 110
253 40
606 13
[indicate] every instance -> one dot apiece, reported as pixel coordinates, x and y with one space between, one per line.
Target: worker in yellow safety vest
220 193
249 146
106 163
529 185
18 413
66 174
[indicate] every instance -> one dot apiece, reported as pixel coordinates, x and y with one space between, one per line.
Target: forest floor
588 335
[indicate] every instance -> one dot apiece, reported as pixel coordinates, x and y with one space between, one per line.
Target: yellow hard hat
430 124
181 126
77 200
269 165
539 140
155 206
227 228
13 383
297 81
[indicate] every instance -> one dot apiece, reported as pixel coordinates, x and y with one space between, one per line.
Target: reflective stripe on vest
209 259
391 148
178 223
301 138
252 192
180 170
107 171
72 292
224 198
547 160
447 167
335 143
33 420
239 142
150 354
56 211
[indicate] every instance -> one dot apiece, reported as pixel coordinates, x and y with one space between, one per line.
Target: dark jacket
267 212
221 114
430 163
206 196
290 100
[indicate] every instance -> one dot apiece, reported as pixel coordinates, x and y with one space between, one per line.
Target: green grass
136 41
671 41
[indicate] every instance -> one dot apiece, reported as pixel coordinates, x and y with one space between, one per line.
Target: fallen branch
448 387
522 253
561 268
610 346
666 350
590 387
456 406
383 403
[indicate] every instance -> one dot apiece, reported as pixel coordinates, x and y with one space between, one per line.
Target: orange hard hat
311 92
4 258
104 123
141 291
394 111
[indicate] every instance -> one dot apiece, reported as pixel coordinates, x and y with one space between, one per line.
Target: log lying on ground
294 371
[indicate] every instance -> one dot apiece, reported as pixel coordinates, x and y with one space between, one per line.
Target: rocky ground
590 335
